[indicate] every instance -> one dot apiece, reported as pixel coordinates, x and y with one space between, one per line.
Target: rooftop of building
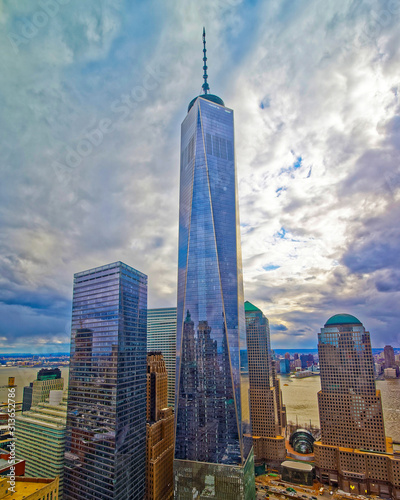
107 267
49 374
46 414
162 310
4 464
209 97
297 465
389 449
249 307
27 486
342 319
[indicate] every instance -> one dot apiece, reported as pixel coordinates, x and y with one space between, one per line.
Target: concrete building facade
265 407
390 360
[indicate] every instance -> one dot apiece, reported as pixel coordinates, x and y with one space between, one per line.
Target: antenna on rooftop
205 85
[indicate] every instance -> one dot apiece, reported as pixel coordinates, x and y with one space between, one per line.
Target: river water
23 377
299 396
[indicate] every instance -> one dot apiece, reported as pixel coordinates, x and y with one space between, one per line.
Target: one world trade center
212 457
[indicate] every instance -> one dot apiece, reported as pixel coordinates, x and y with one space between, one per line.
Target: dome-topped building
209 97
353 453
342 319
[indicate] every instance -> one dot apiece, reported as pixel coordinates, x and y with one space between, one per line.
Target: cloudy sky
92 95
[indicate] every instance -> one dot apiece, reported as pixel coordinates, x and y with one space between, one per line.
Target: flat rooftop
27 487
297 466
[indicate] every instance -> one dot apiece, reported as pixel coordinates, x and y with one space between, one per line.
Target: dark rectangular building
106 421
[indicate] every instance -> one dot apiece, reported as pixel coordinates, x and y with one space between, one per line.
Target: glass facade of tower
211 335
161 336
106 421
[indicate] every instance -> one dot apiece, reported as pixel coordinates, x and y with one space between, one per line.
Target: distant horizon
276 349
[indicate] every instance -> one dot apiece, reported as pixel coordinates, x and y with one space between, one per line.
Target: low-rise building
390 372
297 472
25 488
18 467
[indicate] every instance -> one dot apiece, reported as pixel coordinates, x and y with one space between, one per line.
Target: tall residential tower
211 457
106 420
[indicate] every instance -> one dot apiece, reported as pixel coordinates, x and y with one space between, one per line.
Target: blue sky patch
265 103
270 267
281 233
297 163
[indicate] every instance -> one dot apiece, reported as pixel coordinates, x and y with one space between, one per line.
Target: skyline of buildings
120 430
106 421
265 146
157 449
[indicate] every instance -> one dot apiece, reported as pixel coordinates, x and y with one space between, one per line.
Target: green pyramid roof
249 307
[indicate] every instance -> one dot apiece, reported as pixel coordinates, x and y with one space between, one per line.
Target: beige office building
267 413
354 453
47 380
159 431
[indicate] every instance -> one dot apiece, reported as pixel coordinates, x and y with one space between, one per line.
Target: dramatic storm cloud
92 96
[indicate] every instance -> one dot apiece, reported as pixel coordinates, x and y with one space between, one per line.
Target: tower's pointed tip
205 85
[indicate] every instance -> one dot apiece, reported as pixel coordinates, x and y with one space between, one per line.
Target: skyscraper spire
205 86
